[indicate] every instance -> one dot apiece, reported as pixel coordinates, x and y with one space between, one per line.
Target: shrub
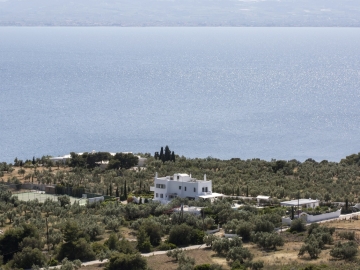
348 235
311 246
256 265
297 225
196 237
175 253
166 246
53 262
268 240
180 235
202 267
264 226
126 261
28 257
143 239
209 239
207 266
244 230
345 251
153 230
239 253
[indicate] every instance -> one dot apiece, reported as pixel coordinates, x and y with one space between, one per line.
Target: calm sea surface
265 93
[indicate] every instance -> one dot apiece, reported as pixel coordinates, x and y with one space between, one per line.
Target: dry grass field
281 258
201 256
21 177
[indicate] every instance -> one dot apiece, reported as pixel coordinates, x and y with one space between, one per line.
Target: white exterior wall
310 218
172 184
316 218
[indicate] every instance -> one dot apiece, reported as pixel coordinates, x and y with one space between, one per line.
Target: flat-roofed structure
308 203
182 185
260 198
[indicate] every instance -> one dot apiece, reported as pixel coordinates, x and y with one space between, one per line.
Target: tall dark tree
167 153
117 192
173 156
125 191
161 156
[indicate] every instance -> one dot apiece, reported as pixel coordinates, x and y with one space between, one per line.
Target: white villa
182 185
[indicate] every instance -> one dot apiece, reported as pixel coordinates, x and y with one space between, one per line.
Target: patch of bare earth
93 267
201 256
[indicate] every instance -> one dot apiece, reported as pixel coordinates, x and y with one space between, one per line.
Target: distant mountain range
328 13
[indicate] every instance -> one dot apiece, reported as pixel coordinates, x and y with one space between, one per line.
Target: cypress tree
167 153
173 156
161 156
125 190
110 188
117 192
247 191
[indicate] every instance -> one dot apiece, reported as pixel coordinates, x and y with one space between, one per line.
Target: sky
325 13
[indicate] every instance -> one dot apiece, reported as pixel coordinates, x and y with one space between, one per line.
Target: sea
222 92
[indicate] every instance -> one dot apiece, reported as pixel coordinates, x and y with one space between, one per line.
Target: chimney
204 177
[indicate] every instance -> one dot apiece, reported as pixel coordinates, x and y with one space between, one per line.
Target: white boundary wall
312 219
316 218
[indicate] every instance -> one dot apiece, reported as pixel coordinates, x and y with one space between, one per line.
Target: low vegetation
50 232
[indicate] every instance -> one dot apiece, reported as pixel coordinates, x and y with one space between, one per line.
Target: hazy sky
181 12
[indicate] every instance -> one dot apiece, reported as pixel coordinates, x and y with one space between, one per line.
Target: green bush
345 251
311 246
53 262
297 225
348 235
126 261
268 240
196 237
166 246
205 266
180 235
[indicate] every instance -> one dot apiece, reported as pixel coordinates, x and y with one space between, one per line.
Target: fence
41 196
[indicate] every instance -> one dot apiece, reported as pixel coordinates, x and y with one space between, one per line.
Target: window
194 189
178 177
161 195
157 195
160 186
179 187
202 189
185 188
206 190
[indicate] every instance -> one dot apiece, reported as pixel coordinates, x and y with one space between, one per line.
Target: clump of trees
90 160
318 237
232 249
166 155
346 251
